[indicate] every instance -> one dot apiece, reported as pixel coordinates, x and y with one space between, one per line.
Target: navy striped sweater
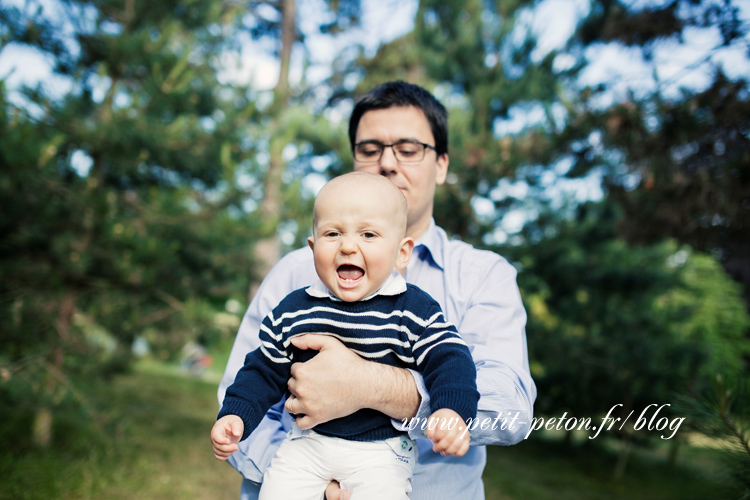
407 330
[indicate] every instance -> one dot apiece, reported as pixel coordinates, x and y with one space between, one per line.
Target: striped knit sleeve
262 381
445 362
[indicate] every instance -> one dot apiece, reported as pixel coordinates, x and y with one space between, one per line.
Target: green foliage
610 323
623 306
119 202
677 162
128 205
478 58
131 202
720 410
711 313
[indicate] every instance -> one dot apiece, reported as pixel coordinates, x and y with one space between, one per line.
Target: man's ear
441 172
404 254
311 243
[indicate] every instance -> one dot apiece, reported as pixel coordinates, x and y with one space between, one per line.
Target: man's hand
337 382
448 432
225 435
334 492
327 386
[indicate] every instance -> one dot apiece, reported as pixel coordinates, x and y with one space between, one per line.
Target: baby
358 244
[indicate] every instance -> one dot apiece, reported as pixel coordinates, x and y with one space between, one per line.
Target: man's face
416 180
356 242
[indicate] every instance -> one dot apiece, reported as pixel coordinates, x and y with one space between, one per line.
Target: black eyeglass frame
395 153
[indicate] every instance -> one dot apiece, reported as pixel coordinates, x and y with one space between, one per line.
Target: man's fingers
291 384
334 492
305 422
312 341
293 405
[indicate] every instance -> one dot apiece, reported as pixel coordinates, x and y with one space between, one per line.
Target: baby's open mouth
349 272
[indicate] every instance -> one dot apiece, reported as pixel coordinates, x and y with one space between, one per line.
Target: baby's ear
404 254
311 243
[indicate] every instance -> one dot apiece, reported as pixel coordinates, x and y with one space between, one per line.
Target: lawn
150 441
543 468
155 422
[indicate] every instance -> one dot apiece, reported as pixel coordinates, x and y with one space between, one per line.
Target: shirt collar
431 241
394 285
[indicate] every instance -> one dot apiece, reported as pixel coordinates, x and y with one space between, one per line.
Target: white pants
307 461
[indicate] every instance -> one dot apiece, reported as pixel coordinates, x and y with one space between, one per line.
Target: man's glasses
404 151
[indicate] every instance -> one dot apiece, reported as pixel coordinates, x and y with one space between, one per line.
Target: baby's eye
368 235
332 234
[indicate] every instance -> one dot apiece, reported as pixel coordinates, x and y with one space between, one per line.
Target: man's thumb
310 341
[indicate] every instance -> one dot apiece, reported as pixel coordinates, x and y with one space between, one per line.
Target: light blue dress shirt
477 291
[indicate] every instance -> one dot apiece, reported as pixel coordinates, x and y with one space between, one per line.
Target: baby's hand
225 435
448 432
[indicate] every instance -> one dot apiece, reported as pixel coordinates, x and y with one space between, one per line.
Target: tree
479 58
119 198
614 324
676 162
290 121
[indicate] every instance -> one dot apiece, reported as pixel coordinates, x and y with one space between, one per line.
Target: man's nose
388 162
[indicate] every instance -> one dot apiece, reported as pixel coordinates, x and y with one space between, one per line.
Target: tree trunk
288 35
42 427
622 458
268 249
674 446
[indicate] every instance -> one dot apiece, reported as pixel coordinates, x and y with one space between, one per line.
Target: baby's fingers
441 443
227 430
222 452
454 442
437 434
458 447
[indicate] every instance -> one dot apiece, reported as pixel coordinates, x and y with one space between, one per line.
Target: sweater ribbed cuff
463 402
239 408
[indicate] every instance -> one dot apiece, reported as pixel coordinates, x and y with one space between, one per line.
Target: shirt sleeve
256 452
262 380
446 365
493 327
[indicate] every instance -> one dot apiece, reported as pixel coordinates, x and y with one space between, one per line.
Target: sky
675 65
382 21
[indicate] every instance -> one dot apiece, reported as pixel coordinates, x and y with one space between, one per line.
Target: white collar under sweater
394 285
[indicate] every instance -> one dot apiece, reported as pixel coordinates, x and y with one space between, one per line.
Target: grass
156 423
150 441
543 468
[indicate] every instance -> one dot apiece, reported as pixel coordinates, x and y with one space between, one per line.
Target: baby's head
359 234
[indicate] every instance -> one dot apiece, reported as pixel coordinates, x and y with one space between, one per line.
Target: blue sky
552 20
688 63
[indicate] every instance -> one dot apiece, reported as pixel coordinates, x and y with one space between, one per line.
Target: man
400 131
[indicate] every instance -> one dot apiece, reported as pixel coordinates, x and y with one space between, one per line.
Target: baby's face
356 242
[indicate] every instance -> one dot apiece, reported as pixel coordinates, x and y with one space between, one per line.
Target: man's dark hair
390 94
